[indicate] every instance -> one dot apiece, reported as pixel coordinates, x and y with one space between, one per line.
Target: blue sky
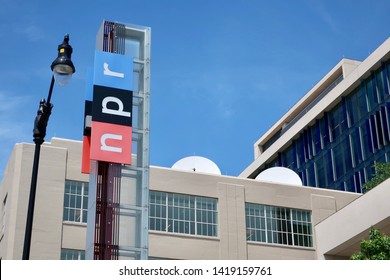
222 72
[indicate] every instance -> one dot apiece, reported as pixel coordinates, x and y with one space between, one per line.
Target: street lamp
63 69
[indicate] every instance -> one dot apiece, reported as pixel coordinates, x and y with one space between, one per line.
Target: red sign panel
111 142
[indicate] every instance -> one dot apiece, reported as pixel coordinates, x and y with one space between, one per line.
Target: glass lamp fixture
62 66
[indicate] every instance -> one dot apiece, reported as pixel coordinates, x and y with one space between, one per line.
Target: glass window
288 157
371 93
270 224
385 124
356 106
311 179
316 137
380 84
324 170
357 150
181 213
300 151
342 157
367 139
75 201
387 79
341 142
68 254
337 121
324 126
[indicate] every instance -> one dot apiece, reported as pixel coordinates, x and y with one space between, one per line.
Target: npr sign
111 110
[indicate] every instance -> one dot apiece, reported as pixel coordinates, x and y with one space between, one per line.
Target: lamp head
62 66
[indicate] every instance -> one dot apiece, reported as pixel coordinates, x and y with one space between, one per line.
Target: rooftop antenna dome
197 164
280 175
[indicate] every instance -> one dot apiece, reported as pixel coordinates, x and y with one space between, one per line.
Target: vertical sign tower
116 143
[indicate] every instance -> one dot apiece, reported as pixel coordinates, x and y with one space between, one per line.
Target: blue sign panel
113 70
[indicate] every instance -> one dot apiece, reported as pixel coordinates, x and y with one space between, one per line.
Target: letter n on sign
111 142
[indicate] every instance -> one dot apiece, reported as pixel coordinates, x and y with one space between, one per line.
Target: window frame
183 214
75 208
278 225
70 254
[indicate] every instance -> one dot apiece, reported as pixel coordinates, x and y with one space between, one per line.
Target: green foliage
377 247
382 173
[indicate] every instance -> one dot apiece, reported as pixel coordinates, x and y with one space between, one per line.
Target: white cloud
326 16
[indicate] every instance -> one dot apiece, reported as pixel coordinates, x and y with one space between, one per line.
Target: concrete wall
339 235
59 160
232 194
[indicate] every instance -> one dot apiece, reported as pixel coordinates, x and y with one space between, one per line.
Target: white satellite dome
281 175
197 164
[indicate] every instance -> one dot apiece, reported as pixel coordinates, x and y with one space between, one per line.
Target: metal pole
39 134
31 204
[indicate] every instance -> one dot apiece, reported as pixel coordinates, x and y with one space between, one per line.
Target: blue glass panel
358 183
317 137
310 174
288 157
371 93
347 154
341 186
338 160
280 160
387 79
294 164
329 169
374 132
379 126
305 145
380 84
300 151
350 184
385 124
367 140
344 124
309 143
324 124
320 172
352 108
337 121
356 147
303 177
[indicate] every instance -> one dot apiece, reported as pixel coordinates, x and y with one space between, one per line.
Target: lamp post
63 69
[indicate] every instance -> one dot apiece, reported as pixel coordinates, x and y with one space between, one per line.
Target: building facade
333 136
192 215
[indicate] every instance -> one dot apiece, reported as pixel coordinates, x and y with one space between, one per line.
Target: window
324 170
76 201
337 120
270 224
372 96
181 213
68 254
342 157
